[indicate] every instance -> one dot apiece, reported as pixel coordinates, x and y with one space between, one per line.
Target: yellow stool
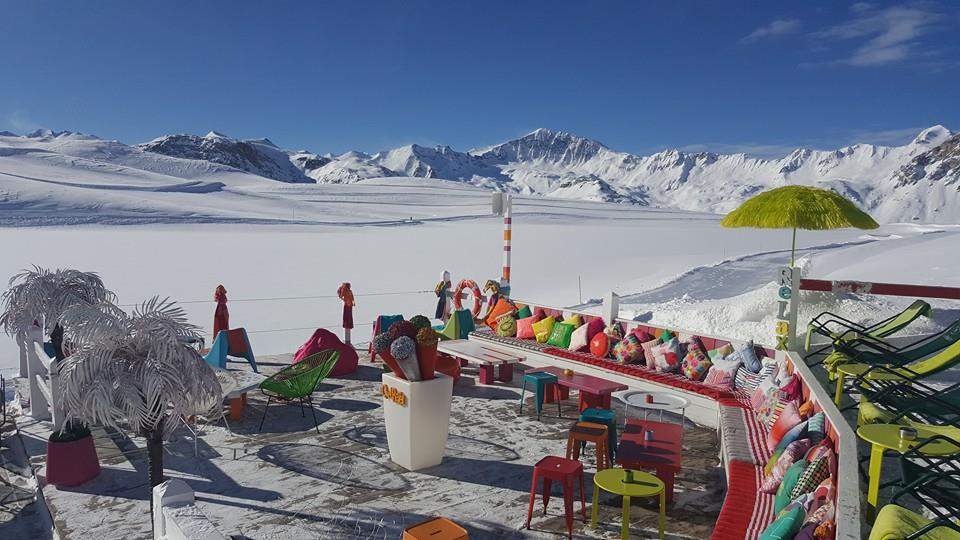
642 485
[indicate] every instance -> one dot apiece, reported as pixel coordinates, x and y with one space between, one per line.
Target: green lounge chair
872 351
299 381
909 403
937 494
898 371
843 333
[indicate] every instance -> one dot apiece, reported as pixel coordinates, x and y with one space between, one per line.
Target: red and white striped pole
505 278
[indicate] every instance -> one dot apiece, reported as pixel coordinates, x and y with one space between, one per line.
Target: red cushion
789 417
600 345
594 327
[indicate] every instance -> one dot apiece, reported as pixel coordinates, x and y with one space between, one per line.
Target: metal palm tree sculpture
135 372
43 295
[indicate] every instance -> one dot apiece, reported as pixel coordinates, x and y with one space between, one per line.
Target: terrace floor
290 482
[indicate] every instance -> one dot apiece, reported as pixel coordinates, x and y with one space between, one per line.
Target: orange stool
562 470
584 432
438 528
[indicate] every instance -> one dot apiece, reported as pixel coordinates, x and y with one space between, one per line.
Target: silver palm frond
43 295
132 371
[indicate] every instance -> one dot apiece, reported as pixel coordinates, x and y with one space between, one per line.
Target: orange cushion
502 308
788 419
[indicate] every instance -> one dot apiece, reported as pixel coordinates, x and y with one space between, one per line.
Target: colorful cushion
667 356
578 340
789 417
767 411
502 308
806 532
790 479
798 432
543 328
763 391
748 356
722 372
666 336
817 426
560 335
774 457
696 364
720 352
506 326
524 312
628 350
574 320
594 327
600 345
525 328
642 334
748 381
806 409
816 472
786 458
786 526
648 352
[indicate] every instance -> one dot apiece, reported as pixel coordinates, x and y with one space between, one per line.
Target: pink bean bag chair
323 339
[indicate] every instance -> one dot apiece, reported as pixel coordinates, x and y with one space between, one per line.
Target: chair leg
262 418
523 389
302 414
547 486
313 412
533 496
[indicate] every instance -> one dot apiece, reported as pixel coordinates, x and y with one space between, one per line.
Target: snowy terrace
290 482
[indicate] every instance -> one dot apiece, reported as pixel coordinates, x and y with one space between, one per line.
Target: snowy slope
914 182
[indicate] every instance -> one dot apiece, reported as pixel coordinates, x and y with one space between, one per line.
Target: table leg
593 508
550 392
873 485
663 513
243 398
839 390
588 400
667 477
506 373
236 408
486 374
625 528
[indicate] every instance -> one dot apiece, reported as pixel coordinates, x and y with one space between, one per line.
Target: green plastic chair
936 493
881 376
299 381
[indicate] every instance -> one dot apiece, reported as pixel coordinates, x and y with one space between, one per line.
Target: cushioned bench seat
670 379
746 511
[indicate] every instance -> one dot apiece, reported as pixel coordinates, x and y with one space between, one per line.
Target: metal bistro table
655 401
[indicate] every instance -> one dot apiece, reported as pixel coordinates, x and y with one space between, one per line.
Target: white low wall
177 517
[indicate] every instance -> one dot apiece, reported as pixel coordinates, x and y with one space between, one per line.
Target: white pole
507 236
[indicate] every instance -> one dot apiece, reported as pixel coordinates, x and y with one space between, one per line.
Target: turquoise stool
540 381
606 417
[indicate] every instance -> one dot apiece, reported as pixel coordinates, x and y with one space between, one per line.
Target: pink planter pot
72 463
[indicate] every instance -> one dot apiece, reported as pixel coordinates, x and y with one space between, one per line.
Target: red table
594 391
661 453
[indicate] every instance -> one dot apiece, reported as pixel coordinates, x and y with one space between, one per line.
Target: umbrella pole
793 247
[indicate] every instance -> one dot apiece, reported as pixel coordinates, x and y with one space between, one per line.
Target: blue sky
639 76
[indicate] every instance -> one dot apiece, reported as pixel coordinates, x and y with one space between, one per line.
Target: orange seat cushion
502 307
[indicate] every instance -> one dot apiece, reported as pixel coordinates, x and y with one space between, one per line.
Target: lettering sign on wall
393 395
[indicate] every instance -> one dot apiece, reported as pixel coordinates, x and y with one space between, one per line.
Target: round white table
655 401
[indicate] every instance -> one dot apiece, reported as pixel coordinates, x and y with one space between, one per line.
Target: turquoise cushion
786 526
524 312
789 482
386 321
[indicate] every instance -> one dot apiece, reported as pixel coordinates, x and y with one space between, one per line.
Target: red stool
562 470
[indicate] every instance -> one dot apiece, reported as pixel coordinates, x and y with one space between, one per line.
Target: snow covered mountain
260 156
918 181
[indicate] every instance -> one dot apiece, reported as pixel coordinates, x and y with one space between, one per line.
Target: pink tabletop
584 383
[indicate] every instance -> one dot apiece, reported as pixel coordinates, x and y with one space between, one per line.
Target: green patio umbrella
798 207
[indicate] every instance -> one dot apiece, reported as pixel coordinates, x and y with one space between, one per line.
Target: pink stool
562 470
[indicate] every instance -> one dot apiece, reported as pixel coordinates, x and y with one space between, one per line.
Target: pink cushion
648 352
594 327
789 417
525 327
667 356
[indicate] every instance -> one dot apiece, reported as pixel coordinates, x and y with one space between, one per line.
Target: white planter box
417 417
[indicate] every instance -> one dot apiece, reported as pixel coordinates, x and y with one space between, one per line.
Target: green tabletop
888 436
613 481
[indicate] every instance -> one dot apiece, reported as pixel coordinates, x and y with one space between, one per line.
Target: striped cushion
747 380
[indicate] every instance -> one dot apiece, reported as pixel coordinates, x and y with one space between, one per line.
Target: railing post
611 307
57 406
